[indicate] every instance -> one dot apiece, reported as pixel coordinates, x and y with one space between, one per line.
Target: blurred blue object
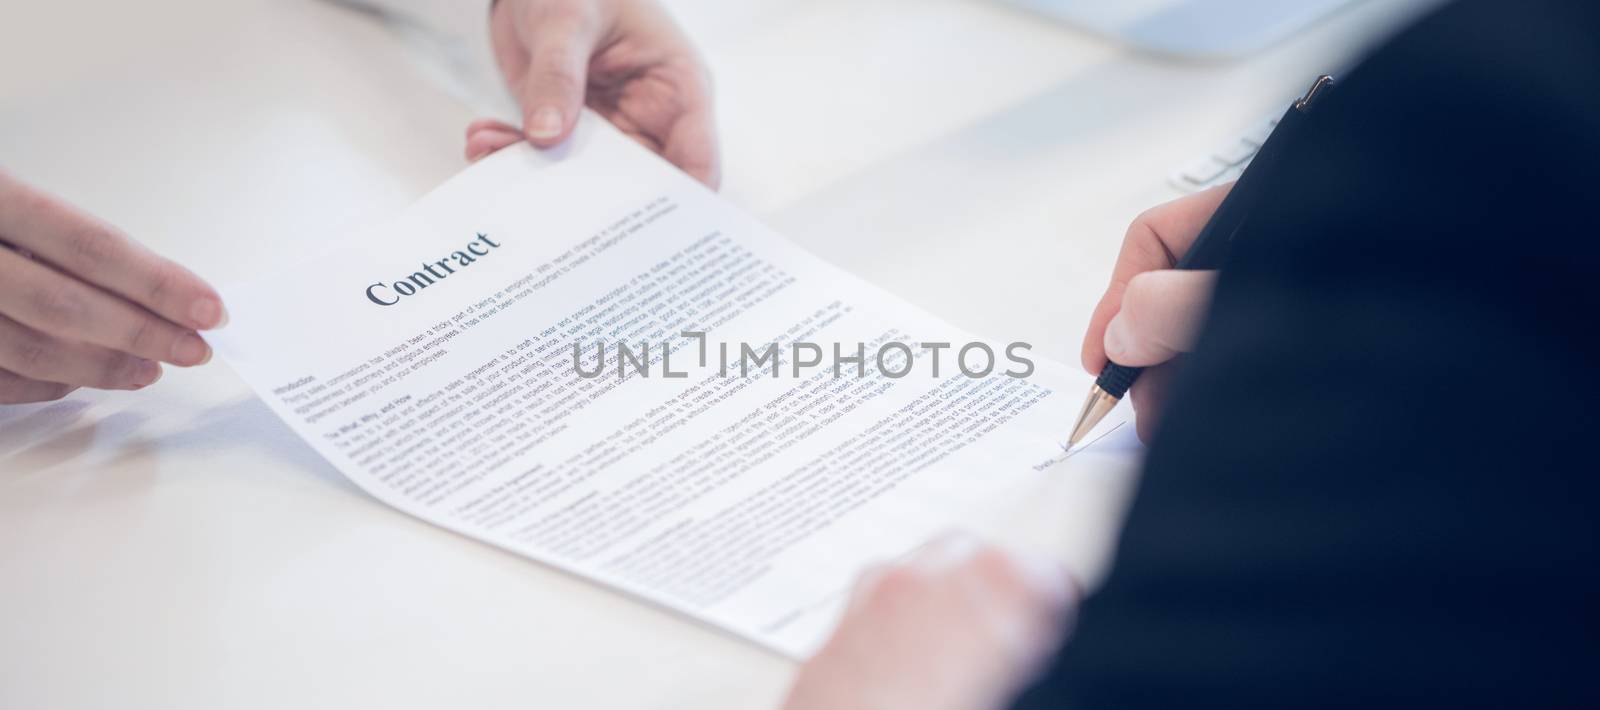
1191 28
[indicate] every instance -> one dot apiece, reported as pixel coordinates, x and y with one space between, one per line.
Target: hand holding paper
82 305
626 59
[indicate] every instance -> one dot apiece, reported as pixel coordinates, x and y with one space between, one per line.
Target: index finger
97 253
1155 240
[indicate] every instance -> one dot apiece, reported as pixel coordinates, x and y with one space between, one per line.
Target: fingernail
546 123
190 350
208 313
146 373
1116 340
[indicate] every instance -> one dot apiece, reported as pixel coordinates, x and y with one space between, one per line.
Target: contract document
586 358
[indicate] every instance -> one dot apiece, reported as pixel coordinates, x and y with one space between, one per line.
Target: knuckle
556 76
1143 243
144 335
55 304
1142 222
165 282
687 70
33 356
92 249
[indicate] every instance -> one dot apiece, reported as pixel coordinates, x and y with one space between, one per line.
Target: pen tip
1096 406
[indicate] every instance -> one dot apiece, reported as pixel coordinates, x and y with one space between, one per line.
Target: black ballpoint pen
1208 251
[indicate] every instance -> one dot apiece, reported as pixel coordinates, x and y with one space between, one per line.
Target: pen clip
1303 103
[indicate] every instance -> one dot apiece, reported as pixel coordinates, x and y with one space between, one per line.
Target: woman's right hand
82 305
626 59
1150 314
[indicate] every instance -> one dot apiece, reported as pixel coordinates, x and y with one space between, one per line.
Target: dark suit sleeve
1376 482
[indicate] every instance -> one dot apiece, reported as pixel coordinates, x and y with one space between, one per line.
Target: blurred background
980 158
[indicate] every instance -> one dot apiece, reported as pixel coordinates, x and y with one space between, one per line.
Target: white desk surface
180 548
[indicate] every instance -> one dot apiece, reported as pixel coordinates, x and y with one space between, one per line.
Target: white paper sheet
748 502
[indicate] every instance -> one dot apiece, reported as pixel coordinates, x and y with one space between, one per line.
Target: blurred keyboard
1225 163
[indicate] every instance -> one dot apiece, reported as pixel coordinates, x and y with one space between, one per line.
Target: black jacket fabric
1377 483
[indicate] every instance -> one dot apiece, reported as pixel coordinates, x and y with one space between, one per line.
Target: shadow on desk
34 440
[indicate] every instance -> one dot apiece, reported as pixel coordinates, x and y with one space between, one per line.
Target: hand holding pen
1150 313
1145 321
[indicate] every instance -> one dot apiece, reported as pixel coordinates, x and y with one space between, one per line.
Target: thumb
1159 316
552 91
